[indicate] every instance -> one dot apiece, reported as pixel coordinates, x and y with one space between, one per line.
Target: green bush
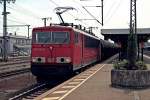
123 65
141 65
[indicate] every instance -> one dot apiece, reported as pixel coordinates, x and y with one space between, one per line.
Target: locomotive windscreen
52 37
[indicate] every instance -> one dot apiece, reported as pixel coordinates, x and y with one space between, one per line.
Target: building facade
20 45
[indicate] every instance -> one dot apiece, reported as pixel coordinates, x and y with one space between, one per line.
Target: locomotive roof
87 34
60 27
67 28
48 27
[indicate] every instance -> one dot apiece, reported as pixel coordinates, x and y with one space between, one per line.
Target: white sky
116 13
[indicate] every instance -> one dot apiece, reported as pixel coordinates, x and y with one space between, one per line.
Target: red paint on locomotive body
58 50
50 52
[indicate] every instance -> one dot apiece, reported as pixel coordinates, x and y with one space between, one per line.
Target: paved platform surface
98 88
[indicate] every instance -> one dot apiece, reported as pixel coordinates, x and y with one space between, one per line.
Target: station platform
99 87
96 87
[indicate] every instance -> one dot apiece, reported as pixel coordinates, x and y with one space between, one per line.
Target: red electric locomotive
59 50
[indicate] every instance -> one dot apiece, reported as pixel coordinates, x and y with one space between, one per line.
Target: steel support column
5 37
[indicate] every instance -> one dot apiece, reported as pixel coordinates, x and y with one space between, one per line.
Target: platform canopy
122 34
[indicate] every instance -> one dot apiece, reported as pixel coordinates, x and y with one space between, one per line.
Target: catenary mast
4 50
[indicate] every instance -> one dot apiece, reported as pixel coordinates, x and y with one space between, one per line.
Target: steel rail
15 72
13 63
21 95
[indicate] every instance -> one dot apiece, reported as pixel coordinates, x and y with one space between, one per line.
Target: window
23 41
28 42
43 37
52 37
60 37
91 42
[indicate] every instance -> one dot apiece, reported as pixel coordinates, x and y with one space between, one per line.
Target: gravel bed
13 84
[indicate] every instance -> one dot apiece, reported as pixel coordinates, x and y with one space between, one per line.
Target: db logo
50 48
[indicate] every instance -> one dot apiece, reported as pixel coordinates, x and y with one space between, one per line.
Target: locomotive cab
51 52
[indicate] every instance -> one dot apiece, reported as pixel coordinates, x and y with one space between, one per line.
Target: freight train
58 50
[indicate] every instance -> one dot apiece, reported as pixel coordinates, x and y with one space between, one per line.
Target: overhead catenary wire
79 8
32 13
110 9
19 9
54 2
23 11
15 20
113 11
12 20
88 12
92 15
110 12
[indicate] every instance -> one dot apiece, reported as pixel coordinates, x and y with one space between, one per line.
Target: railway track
21 65
25 95
36 90
15 72
14 67
12 63
15 60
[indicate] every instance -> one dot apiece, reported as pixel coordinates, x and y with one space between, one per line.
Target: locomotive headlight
68 59
33 59
38 59
63 59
